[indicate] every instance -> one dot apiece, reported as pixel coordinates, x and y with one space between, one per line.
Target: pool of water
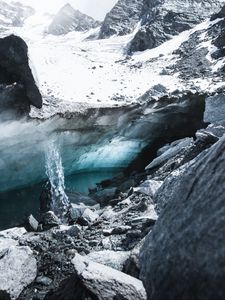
16 205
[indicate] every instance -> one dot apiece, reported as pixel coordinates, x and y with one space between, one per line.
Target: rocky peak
68 19
123 18
163 19
14 14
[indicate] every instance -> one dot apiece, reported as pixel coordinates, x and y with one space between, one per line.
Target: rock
90 216
43 280
164 19
18 269
149 187
185 249
113 259
76 211
105 195
132 264
107 283
31 224
172 151
78 198
122 19
215 109
13 233
50 220
68 19
18 89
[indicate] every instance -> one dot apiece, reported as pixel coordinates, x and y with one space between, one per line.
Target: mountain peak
69 19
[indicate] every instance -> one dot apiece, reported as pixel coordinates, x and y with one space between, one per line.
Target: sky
95 8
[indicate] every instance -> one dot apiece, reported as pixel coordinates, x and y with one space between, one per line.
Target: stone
50 220
105 195
18 269
148 187
31 224
215 109
90 216
172 151
183 257
18 89
113 259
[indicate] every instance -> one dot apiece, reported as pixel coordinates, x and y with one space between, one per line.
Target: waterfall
55 173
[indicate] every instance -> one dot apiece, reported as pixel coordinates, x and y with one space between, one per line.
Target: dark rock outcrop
123 18
164 19
18 89
183 257
68 19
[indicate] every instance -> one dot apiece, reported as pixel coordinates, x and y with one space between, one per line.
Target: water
55 173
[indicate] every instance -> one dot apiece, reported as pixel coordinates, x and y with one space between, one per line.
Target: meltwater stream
55 173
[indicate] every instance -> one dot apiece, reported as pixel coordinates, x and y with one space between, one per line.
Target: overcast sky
95 8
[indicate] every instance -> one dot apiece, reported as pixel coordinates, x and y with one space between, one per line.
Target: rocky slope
123 18
68 19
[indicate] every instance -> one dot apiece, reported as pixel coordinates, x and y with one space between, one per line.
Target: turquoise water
17 204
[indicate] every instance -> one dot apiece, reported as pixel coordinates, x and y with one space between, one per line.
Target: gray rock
90 216
183 257
76 211
148 187
163 19
50 220
31 223
105 195
215 109
18 269
122 19
107 283
172 151
113 259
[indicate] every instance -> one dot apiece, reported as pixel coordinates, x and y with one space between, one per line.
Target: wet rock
31 224
104 196
76 211
49 220
43 280
185 249
18 269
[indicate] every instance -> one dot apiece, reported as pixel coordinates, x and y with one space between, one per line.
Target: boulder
215 109
148 187
18 89
49 220
183 257
18 269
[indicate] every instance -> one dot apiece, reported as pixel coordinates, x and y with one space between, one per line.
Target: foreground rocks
185 249
96 281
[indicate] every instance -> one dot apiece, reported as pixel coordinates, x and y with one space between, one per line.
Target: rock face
183 257
18 89
163 19
95 281
14 13
68 19
122 19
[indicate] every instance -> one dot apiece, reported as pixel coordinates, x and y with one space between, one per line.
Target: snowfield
75 72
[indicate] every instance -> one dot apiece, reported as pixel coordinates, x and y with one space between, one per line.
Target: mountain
123 18
14 13
68 19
